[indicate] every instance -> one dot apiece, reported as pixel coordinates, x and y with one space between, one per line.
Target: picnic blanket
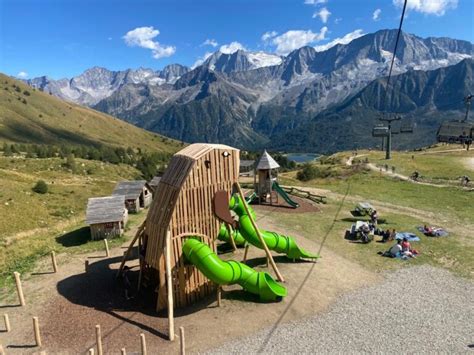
437 232
410 236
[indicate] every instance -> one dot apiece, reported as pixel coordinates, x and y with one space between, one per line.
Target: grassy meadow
33 224
405 205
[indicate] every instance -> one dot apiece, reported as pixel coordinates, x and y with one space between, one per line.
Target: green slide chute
232 272
285 196
277 242
225 237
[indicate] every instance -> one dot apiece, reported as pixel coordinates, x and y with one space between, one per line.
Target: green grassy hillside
33 224
30 116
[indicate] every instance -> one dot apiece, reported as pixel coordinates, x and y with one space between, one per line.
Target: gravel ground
414 310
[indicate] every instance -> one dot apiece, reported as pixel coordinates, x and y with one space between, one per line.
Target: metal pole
389 141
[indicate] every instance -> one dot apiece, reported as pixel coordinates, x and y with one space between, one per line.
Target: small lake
302 157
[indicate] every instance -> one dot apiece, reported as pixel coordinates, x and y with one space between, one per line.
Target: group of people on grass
402 248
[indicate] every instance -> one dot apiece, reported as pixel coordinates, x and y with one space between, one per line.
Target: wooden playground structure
184 206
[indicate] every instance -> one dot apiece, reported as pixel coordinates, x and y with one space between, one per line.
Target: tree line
147 163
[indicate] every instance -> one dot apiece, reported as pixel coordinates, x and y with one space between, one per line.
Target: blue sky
63 38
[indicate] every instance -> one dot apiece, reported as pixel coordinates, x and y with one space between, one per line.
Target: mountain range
255 99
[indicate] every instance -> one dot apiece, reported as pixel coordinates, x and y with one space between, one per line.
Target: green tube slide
277 242
225 237
232 272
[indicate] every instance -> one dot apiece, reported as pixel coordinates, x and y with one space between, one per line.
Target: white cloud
110 38
268 35
376 15
323 14
295 39
201 60
337 20
231 48
429 7
340 40
143 37
22 75
210 42
315 2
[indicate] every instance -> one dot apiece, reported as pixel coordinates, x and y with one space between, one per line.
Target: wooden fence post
169 281
2 352
91 351
107 251
98 338
37 331
19 290
86 265
53 260
143 343
219 295
182 344
123 351
7 323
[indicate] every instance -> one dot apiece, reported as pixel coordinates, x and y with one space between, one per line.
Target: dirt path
469 163
70 303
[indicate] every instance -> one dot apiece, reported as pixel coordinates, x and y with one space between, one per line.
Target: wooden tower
183 205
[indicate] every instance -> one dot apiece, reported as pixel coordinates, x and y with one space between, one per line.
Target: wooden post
98 338
232 241
2 352
37 331
130 247
245 253
182 344
143 343
19 290
53 260
91 351
262 241
7 323
123 351
169 281
107 252
86 265
219 295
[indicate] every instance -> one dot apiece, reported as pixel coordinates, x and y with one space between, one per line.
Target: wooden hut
137 194
267 173
106 216
183 205
154 184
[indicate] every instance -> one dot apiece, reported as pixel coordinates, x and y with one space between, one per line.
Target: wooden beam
232 241
169 281
19 289
132 243
262 241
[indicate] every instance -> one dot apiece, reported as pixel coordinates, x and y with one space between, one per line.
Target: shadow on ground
74 238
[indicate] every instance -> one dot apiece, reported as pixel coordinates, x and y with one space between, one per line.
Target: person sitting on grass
427 230
386 236
396 249
374 218
393 235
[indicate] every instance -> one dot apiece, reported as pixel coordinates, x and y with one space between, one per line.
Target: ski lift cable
394 53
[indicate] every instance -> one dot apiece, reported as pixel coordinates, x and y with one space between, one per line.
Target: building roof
130 189
247 162
197 150
267 162
155 181
105 209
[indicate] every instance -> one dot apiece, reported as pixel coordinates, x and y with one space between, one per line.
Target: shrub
26 93
40 187
310 172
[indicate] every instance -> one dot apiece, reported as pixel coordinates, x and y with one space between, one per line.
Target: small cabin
247 167
137 194
106 216
154 184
